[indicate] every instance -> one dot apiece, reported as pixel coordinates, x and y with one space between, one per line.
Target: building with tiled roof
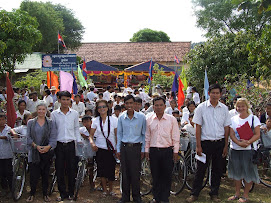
131 53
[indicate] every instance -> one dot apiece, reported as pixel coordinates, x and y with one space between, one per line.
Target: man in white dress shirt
67 124
212 121
32 103
91 95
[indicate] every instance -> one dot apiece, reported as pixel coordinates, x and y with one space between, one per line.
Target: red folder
245 132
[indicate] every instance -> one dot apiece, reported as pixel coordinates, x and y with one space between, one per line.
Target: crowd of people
129 125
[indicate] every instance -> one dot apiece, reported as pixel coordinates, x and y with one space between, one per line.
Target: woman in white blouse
48 100
240 165
104 129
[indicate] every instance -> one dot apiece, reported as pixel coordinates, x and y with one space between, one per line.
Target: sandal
47 198
233 198
30 198
104 194
242 199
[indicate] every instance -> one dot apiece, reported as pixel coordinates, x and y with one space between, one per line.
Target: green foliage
53 19
220 17
221 56
32 79
148 35
258 95
18 35
159 77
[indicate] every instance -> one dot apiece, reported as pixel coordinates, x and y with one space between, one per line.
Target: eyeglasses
102 107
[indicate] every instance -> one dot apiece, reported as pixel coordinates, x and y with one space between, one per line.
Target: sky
118 20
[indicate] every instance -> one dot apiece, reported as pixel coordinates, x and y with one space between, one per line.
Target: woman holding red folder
244 133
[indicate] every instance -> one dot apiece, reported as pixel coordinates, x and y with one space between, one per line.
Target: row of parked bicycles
183 172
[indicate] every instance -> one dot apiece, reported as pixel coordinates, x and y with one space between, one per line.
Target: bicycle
145 178
19 167
191 165
82 151
264 166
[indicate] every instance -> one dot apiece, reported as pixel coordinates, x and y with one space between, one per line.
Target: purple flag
175 84
66 81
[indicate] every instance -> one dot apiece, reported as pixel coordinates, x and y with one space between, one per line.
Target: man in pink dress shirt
162 145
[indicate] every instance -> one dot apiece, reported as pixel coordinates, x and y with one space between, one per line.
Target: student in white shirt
48 100
173 106
78 106
189 91
21 112
32 103
67 124
91 95
22 129
107 93
191 108
196 98
42 86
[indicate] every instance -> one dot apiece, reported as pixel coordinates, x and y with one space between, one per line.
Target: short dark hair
21 101
101 94
176 111
48 92
117 108
34 93
91 89
129 97
86 117
157 99
147 104
65 94
195 89
108 87
191 102
268 104
77 95
138 100
88 110
215 86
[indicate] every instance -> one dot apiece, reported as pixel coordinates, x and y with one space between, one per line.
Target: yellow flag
183 78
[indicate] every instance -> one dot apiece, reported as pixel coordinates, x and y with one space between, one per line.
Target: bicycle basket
266 139
19 145
184 141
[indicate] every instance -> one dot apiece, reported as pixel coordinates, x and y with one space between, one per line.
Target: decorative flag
81 78
61 41
52 80
175 84
150 72
74 86
84 68
206 86
176 59
183 78
11 113
66 81
181 96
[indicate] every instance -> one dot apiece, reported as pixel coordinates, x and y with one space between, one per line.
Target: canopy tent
143 68
96 68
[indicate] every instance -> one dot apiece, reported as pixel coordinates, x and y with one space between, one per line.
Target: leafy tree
53 19
32 79
18 36
148 35
220 17
223 55
159 77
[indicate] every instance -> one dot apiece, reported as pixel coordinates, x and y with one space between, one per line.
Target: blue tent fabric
97 66
145 67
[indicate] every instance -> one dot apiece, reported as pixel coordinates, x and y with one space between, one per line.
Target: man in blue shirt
130 149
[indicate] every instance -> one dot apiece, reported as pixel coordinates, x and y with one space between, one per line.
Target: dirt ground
260 194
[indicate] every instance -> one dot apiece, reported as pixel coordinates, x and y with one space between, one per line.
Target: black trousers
6 171
36 170
213 151
161 162
65 163
130 168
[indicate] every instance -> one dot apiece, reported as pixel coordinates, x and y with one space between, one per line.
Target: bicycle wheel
53 183
178 176
145 178
252 186
18 179
191 168
94 171
264 168
80 177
